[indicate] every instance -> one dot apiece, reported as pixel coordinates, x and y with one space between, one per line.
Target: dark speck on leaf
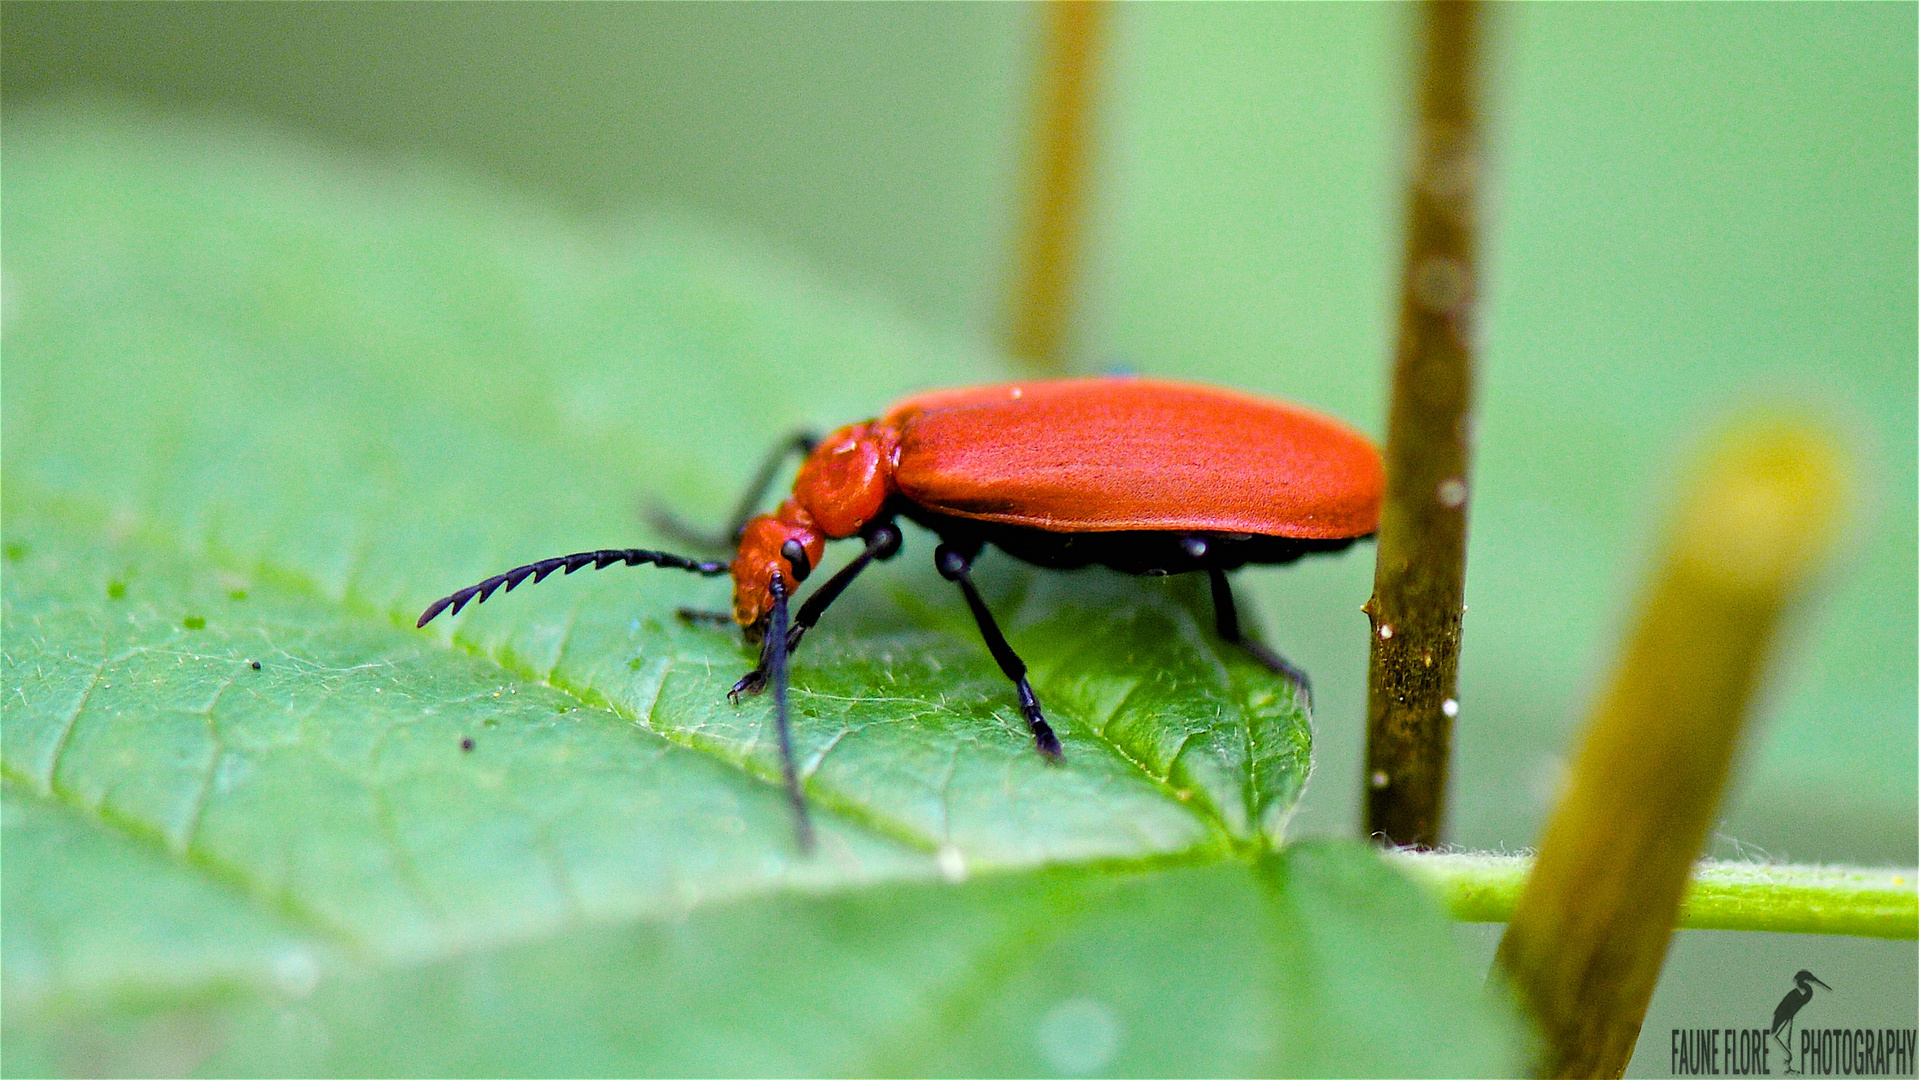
238 594
116 589
194 622
255 665
466 744
16 552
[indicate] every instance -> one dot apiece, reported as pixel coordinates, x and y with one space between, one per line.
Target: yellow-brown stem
1590 931
1420 578
1062 144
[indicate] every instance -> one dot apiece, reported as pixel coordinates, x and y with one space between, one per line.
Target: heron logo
1800 1050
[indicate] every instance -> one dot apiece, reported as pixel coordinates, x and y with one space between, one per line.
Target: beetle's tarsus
750 683
1226 618
1044 740
955 566
1279 665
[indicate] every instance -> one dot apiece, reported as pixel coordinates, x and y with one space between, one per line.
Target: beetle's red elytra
1142 475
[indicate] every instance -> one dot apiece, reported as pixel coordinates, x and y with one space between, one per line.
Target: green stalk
1062 145
1780 899
1589 932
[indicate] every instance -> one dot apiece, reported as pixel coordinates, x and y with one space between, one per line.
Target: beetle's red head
786 541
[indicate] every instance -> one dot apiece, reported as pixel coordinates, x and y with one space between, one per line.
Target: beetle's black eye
794 552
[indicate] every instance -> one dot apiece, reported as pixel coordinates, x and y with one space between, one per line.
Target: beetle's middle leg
1226 617
956 567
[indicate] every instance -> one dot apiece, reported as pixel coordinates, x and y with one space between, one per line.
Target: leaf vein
234 879
72 721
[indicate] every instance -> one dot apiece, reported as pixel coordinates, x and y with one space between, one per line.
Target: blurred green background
1690 208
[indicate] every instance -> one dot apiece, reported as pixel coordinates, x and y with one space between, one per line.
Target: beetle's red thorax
847 478
841 486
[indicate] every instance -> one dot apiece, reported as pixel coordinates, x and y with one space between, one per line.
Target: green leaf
1315 962
262 405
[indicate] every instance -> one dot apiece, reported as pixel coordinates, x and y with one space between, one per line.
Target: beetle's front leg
882 542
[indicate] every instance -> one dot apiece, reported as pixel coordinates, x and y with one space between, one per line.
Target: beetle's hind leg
1226 617
956 567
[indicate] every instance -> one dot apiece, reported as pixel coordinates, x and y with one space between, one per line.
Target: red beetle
1145 476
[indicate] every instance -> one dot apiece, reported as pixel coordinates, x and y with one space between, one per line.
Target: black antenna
776 668
538 571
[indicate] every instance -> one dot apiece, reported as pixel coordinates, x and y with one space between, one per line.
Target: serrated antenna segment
539 572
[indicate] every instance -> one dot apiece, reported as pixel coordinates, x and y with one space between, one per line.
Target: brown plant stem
1590 931
1420 578
1062 144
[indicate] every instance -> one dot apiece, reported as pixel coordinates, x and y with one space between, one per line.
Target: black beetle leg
956 568
1226 616
882 542
668 524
